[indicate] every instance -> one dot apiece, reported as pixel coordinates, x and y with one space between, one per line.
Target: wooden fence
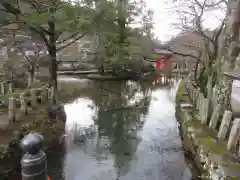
224 124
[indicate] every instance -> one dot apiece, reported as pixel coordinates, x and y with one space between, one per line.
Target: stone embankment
214 141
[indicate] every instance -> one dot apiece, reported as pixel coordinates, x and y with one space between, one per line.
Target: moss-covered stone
199 139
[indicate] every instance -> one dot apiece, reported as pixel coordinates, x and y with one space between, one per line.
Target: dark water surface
121 130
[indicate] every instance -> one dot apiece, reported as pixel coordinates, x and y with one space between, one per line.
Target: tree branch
184 55
76 33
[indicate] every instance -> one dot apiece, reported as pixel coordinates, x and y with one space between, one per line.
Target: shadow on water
121 130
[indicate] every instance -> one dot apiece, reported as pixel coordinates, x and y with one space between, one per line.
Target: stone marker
204 111
3 88
10 87
50 94
12 109
234 134
33 97
23 107
40 91
199 101
194 96
226 120
45 94
215 117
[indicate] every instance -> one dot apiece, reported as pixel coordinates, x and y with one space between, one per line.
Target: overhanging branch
184 55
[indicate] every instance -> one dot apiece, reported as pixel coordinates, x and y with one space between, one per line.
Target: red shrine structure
163 60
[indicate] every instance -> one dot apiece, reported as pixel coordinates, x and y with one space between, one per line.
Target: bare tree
50 20
32 51
193 15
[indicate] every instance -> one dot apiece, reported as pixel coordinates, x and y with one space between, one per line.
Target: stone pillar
199 98
50 94
237 64
200 102
12 109
214 96
10 87
23 103
33 97
3 91
234 134
204 111
44 95
226 120
215 117
39 97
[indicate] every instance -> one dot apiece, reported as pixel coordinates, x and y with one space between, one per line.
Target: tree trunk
231 46
53 57
30 76
122 29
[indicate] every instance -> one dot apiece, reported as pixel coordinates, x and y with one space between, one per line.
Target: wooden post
33 97
215 117
12 109
234 134
225 125
23 103
204 111
3 88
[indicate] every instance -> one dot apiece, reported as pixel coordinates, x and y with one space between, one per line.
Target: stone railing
202 105
225 127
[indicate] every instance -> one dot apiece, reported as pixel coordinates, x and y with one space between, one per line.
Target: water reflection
123 131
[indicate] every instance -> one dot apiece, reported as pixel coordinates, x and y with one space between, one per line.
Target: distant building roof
163 51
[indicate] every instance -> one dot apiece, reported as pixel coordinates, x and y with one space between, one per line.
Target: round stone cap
32 143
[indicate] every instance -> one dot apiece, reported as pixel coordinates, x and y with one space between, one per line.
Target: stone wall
214 141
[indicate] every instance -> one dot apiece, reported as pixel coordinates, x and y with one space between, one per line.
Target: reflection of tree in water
121 109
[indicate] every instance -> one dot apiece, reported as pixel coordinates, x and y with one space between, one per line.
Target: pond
121 130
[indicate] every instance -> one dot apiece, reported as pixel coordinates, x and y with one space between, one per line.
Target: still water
121 130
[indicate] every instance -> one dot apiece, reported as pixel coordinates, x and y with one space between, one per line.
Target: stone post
33 97
234 134
3 91
50 94
45 95
204 111
10 87
34 161
226 120
199 101
12 109
215 117
194 96
23 103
